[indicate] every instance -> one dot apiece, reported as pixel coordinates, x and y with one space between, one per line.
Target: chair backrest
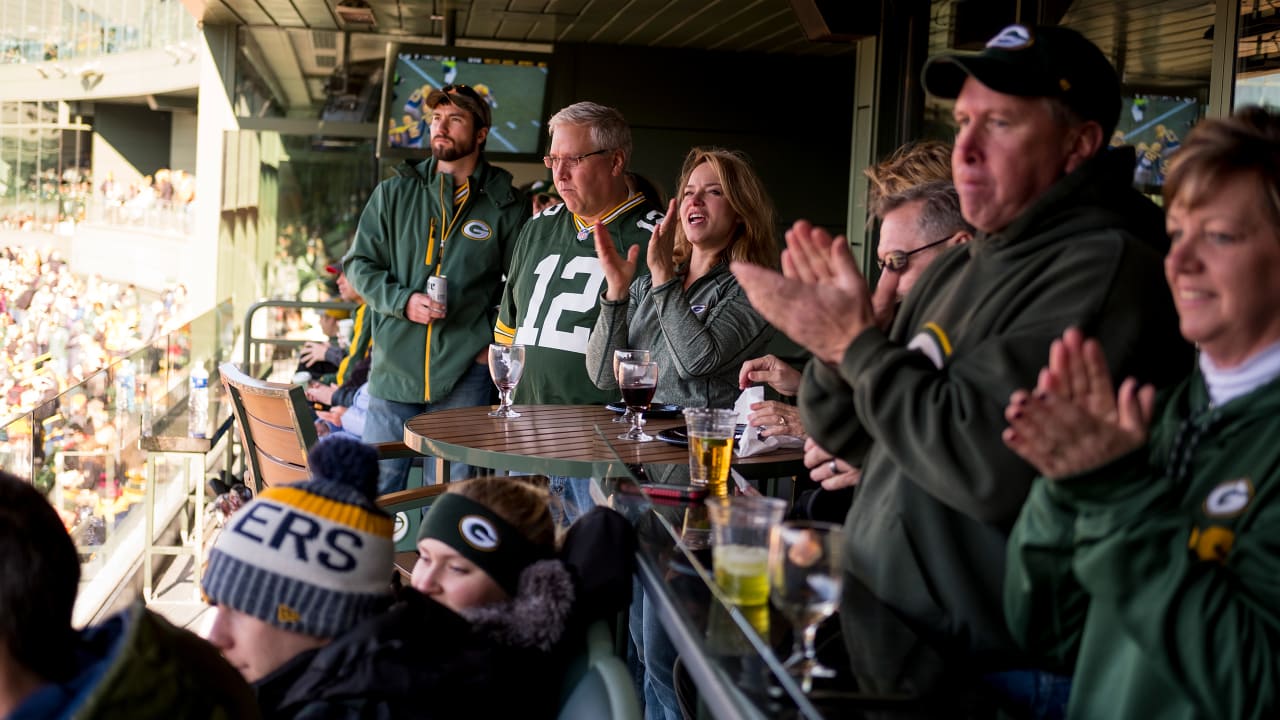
605 691
276 427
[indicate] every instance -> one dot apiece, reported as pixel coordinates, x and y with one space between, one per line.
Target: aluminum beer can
438 289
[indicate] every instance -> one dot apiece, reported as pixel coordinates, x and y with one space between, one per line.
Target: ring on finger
782 420
832 466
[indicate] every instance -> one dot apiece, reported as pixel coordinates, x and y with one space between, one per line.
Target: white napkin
750 443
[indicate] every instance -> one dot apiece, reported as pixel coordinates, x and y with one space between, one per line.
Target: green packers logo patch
477 230
1229 498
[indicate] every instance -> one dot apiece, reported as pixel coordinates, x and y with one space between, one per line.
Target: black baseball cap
465 97
1038 61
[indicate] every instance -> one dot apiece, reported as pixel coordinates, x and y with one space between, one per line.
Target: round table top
562 440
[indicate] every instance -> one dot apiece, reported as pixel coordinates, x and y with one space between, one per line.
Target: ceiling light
355 12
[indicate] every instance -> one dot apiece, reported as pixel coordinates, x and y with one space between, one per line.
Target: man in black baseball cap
1063 240
1054 62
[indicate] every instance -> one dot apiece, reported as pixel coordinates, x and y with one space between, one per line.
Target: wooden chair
277 430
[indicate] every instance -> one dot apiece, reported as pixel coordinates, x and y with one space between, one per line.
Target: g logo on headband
478 532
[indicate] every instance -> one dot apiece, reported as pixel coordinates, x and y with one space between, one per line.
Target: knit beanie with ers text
313 557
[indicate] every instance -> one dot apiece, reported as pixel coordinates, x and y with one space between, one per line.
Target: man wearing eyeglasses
551 299
454 216
1062 240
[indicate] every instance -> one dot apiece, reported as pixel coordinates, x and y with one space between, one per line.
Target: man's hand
422 309
662 245
821 301
1073 421
827 469
313 352
769 369
618 271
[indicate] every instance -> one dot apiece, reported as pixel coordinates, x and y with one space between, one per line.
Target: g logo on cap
478 532
1014 37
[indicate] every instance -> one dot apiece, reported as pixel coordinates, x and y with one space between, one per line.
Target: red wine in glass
638 397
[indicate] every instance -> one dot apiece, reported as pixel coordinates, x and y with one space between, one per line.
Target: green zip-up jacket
921 409
410 231
699 337
1157 577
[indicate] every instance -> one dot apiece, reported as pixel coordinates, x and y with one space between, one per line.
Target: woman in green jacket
1146 558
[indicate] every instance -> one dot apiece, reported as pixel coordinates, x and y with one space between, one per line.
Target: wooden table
561 440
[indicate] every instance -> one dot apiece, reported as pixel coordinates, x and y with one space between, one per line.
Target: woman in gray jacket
689 311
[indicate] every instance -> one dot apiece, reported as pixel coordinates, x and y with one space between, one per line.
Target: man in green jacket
1062 240
453 216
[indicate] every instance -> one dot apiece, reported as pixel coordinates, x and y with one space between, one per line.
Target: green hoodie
939 491
403 238
1158 580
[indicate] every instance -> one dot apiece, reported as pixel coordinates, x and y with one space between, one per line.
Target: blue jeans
654 657
1033 693
385 423
570 498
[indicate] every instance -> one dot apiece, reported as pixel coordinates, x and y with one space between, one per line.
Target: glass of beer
638 380
710 432
618 357
740 528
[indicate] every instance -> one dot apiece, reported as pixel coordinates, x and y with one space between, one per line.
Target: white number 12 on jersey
551 336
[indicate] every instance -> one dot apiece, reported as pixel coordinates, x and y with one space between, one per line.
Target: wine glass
804 584
506 365
638 381
634 356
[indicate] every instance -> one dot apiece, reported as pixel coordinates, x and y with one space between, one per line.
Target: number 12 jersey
552 298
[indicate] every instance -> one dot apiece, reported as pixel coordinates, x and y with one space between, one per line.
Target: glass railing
81 448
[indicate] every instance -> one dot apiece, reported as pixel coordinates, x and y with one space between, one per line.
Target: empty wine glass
638 381
506 365
804 584
634 356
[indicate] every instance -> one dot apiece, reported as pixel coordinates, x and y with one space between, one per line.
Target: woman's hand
662 246
618 271
769 369
827 469
1073 421
775 418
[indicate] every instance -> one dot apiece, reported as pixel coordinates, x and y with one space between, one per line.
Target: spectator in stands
134 664
486 631
689 311
1145 558
1062 240
323 358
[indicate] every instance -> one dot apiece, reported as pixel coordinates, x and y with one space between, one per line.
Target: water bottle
125 379
198 401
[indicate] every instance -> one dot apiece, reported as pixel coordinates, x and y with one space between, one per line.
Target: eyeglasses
896 260
570 161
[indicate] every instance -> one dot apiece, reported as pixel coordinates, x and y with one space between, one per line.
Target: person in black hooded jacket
488 628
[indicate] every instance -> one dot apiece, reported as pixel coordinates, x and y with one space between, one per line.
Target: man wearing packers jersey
551 299
453 215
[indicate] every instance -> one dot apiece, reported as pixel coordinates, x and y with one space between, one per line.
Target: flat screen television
513 83
1154 124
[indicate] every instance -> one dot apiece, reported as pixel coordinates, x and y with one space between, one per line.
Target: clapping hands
1073 421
